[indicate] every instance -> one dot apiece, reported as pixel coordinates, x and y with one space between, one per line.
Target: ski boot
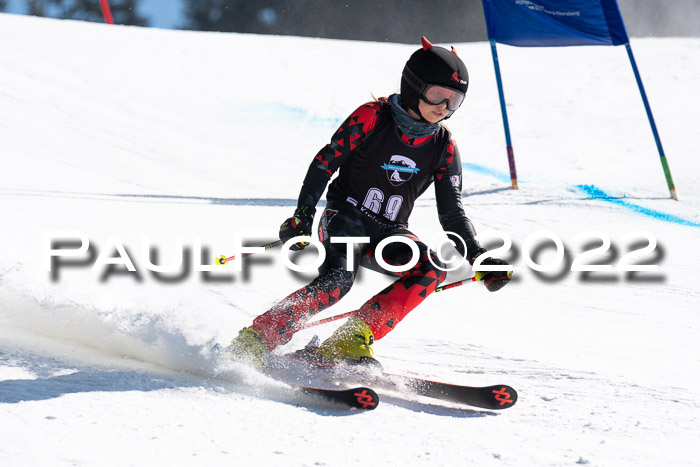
349 344
249 347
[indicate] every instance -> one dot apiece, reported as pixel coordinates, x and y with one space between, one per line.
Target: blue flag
546 23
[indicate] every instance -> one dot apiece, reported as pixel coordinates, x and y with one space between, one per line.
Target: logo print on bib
400 169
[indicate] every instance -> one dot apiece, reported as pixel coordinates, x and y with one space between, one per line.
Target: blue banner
546 23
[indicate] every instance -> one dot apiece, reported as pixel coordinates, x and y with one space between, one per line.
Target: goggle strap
414 81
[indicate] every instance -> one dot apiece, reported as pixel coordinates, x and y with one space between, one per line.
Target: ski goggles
434 94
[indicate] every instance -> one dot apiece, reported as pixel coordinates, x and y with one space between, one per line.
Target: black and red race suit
381 174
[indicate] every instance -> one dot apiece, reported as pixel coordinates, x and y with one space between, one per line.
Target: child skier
389 152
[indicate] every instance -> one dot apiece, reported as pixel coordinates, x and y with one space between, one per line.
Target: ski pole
350 313
326 320
223 259
478 275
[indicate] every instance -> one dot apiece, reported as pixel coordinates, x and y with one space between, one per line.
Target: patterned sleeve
448 196
345 140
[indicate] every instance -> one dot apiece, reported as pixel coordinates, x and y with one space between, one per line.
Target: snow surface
139 137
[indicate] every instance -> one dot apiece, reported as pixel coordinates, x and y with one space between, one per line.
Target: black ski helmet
431 65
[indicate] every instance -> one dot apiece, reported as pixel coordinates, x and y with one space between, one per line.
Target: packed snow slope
151 145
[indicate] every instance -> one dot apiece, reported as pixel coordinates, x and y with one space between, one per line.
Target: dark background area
402 21
376 20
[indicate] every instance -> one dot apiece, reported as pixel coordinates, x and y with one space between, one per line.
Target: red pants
381 312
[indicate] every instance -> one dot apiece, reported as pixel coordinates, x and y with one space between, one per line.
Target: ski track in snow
146 135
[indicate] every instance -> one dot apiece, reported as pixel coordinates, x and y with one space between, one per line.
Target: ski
312 377
494 397
359 397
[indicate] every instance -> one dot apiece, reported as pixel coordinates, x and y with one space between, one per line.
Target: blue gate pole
504 114
664 162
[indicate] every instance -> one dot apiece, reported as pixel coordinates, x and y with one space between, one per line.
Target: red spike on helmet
454 51
426 43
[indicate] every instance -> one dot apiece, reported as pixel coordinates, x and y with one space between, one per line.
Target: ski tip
364 398
502 396
359 397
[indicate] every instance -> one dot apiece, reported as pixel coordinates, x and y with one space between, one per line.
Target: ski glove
299 224
494 280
